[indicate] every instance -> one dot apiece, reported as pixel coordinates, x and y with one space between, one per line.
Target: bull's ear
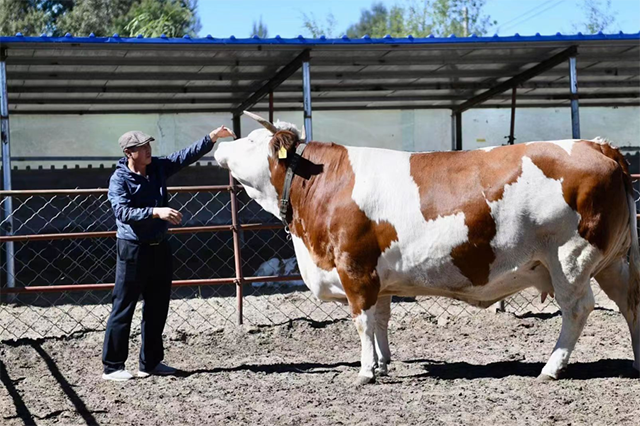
283 144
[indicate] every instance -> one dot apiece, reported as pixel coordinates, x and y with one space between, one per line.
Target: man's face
140 155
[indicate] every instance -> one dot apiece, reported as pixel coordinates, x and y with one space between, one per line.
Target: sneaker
118 376
160 370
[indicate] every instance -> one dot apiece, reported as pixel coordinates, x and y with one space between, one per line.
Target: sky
222 18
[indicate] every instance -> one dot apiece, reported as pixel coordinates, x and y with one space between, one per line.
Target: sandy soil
478 369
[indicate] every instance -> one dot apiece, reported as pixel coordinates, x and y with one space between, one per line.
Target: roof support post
511 138
575 113
284 73
456 131
306 91
7 225
271 107
518 79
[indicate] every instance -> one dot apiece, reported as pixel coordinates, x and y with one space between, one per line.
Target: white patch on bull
566 144
385 191
325 285
248 160
531 218
488 148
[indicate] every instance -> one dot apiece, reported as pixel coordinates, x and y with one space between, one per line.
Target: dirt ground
476 370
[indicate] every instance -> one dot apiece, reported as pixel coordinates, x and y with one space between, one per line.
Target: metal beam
349 60
355 107
287 71
298 99
513 82
179 89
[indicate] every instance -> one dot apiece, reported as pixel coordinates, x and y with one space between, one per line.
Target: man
138 195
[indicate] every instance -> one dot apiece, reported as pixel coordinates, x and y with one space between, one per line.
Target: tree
378 22
259 29
22 16
446 17
598 17
419 18
316 28
173 18
101 17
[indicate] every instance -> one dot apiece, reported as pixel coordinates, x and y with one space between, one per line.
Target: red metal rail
234 227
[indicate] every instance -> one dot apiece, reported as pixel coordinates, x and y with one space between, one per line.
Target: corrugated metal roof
113 74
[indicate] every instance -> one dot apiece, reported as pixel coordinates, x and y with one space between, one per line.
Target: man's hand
168 214
221 132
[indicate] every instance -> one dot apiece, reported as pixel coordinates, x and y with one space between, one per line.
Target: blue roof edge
302 41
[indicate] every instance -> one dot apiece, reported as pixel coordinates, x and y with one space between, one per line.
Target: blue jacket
133 196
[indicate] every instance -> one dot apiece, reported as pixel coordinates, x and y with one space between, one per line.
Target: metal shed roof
89 75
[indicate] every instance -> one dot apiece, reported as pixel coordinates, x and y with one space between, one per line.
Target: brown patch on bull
334 229
283 139
454 182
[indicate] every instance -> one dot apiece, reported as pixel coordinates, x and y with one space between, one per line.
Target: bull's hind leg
383 353
614 280
570 280
362 293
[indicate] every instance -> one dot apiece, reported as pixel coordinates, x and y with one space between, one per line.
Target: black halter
286 188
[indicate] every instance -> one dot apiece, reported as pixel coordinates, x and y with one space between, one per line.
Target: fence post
6 170
237 255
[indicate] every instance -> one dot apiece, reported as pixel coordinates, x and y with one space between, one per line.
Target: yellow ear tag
282 154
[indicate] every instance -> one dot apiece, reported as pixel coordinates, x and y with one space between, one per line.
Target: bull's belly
428 278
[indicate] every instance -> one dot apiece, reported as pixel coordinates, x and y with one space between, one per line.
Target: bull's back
468 217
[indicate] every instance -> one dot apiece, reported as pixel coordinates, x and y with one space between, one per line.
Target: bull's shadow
602 369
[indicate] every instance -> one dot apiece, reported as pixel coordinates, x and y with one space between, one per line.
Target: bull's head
252 159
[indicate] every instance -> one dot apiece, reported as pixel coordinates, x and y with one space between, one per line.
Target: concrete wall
410 130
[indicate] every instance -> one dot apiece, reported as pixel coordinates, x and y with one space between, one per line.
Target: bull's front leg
362 293
382 314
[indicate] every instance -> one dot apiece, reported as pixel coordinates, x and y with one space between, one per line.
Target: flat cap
134 138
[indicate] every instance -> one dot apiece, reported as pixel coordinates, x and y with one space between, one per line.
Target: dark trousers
141 269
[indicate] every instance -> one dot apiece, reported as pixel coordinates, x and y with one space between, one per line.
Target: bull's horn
269 126
303 135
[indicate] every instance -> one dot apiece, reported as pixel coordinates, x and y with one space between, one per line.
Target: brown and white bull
477 226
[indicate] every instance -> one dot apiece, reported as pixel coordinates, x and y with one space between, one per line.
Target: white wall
410 130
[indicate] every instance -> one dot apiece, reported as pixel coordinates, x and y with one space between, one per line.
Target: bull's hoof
545 378
364 380
382 369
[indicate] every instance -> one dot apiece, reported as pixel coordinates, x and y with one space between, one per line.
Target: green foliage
259 29
29 17
419 18
101 17
316 28
598 17
152 18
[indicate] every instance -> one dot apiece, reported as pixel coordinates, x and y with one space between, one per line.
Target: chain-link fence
58 263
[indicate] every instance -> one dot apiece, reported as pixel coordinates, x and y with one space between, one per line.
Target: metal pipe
306 93
174 283
456 131
112 234
575 113
100 191
236 250
271 107
7 228
511 139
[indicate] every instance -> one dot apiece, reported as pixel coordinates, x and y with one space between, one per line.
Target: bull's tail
633 293
634 255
